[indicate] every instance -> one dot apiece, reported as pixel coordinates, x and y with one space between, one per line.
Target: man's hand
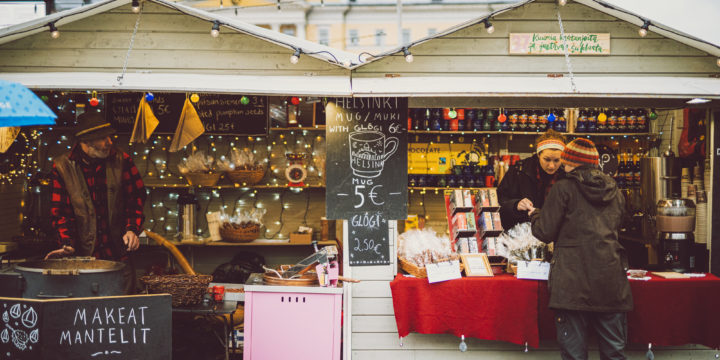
64 251
525 204
131 240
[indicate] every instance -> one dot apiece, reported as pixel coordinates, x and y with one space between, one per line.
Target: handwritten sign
552 44
219 113
368 234
118 327
366 157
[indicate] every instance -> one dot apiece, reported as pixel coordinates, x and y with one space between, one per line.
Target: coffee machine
670 220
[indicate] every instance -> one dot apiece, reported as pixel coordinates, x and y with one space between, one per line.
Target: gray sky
695 17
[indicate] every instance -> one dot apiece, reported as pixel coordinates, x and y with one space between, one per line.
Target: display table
216 310
667 312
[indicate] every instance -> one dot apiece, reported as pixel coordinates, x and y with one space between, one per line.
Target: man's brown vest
82 205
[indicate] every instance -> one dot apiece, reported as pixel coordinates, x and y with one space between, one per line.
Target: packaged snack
473 245
497 224
470 221
493 198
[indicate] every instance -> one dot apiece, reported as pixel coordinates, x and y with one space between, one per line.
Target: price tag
533 270
443 271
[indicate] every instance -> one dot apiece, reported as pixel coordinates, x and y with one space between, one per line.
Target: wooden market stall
521 65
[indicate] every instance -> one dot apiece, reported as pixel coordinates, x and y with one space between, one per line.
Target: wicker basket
228 232
416 271
202 179
185 289
246 177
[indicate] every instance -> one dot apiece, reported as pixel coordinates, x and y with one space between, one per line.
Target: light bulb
54 32
562 2
489 26
295 57
718 62
215 32
136 6
408 56
644 28
642 32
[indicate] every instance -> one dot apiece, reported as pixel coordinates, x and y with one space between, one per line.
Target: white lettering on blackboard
367 103
100 330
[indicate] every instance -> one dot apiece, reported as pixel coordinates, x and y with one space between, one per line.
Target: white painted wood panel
526 64
374 324
372 306
372 288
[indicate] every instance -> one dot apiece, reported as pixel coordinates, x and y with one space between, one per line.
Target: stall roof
600 5
210 83
334 56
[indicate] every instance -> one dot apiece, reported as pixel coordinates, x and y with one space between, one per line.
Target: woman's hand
64 251
525 204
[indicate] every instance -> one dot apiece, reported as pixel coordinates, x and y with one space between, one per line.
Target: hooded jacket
581 215
521 182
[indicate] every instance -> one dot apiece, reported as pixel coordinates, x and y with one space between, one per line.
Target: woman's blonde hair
550 135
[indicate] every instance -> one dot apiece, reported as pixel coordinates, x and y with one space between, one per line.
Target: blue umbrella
21 107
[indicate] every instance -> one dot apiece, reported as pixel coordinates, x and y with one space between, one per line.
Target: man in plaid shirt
98 197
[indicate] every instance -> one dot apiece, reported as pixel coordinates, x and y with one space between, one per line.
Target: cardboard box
298 238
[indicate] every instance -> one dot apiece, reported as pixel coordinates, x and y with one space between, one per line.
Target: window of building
354 38
379 37
432 31
323 36
288 29
405 36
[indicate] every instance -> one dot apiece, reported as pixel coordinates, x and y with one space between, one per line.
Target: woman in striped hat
589 289
528 182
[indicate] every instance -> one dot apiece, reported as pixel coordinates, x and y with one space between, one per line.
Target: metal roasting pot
65 278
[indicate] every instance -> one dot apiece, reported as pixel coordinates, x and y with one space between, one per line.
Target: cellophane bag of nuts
424 246
198 162
239 160
243 218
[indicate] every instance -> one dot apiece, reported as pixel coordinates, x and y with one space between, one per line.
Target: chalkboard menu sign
366 157
368 234
220 113
118 327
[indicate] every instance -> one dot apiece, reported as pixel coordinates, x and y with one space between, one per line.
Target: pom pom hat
580 152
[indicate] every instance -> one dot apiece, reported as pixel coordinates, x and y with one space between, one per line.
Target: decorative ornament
244 100
44 98
294 100
94 100
149 97
653 115
194 98
452 113
551 117
295 172
601 117
502 117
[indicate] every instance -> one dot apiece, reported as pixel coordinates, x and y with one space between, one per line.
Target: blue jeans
572 333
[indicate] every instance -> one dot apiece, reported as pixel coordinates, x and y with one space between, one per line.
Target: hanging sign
366 157
368 234
219 113
552 44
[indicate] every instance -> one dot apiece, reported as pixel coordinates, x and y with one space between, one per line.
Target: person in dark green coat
588 284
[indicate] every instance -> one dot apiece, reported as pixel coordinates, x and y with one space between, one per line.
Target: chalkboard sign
219 113
118 327
368 234
366 157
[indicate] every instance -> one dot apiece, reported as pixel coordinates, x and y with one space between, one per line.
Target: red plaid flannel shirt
134 194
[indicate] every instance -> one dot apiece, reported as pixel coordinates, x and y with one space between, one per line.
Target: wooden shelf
614 134
473 132
445 188
313 128
257 242
231 186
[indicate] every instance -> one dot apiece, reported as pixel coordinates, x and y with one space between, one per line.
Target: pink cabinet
292 322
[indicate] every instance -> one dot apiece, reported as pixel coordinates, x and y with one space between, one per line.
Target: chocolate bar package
467 198
463 246
497 224
470 221
460 222
473 245
482 198
493 198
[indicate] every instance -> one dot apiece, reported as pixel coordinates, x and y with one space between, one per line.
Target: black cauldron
64 278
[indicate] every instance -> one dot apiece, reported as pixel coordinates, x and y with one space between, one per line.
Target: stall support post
715 201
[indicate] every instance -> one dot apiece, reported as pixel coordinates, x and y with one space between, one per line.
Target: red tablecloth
496 308
667 312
